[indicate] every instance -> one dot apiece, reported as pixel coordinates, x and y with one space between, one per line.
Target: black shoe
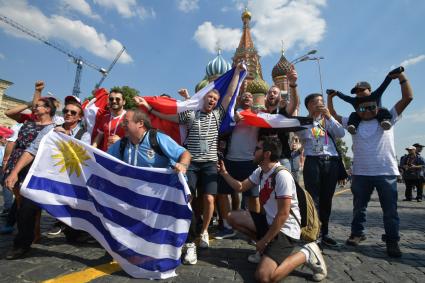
4 213
16 253
393 250
328 241
355 240
407 199
419 200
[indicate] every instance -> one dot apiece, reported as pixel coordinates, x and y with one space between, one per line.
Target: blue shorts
202 178
240 170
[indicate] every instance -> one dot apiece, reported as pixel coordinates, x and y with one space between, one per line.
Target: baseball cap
361 85
418 145
70 98
410 147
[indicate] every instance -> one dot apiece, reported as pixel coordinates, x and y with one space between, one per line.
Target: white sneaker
190 256
316 262
254 258
204 242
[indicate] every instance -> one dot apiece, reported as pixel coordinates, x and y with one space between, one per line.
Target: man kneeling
275 231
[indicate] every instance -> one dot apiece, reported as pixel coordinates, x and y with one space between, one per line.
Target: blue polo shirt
142 155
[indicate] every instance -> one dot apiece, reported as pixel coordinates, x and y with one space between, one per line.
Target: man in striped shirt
201 142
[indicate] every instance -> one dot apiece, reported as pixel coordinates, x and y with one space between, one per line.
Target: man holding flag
203 128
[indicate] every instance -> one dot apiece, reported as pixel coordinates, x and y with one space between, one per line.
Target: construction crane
78 60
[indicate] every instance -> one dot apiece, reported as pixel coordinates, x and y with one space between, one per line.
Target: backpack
309 223
153 141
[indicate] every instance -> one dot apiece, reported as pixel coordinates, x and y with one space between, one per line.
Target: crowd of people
269 214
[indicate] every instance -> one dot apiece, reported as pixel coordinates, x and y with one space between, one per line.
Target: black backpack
153 141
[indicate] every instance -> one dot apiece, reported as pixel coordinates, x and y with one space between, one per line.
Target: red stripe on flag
252 119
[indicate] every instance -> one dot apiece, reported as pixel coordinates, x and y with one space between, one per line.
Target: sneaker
419 200
254 258
355 240
328 241
393 250
16 253
316 262
225 233
6 230
204 242
190 256
351 129
407 199
55 231
386 125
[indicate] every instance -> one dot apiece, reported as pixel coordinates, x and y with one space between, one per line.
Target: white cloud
126 8
210 37
413 61
416 117
80 6
297 23
187 5
75 33
2 56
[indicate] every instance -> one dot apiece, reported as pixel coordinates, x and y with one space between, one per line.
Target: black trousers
410 184
26 223
320 178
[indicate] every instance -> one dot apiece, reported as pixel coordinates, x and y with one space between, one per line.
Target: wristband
150 110
293 86
402 82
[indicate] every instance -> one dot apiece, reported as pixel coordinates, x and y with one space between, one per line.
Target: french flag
266 120
171 106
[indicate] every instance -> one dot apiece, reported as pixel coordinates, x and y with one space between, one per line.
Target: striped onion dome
281 68
217 66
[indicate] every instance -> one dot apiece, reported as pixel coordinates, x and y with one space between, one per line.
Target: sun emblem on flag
71 157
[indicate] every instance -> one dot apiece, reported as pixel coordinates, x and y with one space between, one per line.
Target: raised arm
232 86
294 101
331 108
140 101
15 113
406 94
238 186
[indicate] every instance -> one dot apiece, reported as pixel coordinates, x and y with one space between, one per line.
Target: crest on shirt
150 153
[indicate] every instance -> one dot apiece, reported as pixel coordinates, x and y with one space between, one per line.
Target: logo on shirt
150 153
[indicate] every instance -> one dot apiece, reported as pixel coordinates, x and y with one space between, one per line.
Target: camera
284 95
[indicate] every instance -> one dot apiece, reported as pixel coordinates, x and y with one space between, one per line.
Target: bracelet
402 82
150 110
293 86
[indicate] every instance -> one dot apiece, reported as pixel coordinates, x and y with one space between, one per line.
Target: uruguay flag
171 106
139 215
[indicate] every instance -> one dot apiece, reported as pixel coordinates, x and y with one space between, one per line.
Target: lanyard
320 130
136 150
209 124
111 118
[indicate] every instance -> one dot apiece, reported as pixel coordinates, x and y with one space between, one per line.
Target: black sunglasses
258 148
367 108
66 111
114 98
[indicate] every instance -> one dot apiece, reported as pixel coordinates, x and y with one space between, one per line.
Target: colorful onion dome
201 84
217 66
282 67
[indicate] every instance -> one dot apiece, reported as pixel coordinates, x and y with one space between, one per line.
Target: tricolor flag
266 120
94 110
139 215
171 106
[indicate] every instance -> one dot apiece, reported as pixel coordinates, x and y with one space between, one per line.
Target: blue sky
169 43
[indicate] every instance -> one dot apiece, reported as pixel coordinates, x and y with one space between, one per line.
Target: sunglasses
367 108
66 111
111 99
258 148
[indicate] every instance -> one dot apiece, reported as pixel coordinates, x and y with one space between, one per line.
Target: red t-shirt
110 126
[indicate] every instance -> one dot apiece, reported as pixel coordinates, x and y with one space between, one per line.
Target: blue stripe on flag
140 260
142 230
171 180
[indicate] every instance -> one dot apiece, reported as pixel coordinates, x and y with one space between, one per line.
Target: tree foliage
343 149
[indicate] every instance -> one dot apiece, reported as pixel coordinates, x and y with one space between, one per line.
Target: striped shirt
202 126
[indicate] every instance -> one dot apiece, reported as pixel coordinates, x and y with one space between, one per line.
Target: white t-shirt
15 128
285 188
373 148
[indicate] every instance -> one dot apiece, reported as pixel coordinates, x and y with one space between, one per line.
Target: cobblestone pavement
226 260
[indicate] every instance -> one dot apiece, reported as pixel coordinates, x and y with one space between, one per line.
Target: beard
257 161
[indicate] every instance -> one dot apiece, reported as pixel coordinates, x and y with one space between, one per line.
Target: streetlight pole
317 59
303 57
